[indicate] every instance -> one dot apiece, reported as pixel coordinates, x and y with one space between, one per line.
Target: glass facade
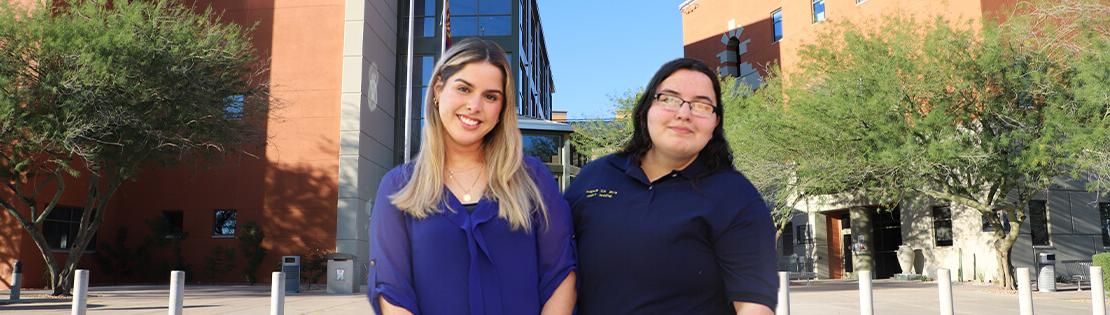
512 24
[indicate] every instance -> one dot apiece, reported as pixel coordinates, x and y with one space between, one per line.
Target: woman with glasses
667 225
471 226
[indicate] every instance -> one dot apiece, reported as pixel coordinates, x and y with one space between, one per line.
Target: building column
862 239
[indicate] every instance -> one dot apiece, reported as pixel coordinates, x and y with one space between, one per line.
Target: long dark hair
716 155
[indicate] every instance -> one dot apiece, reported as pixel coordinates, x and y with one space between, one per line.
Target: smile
681 130
469 123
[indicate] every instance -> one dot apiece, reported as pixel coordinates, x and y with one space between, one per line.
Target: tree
983 116
96 89
599 137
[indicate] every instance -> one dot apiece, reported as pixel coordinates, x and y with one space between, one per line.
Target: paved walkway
828 297
199 299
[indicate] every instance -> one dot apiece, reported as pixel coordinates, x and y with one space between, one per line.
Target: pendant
466 198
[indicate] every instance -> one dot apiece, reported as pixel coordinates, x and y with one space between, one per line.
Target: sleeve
390 273
746 252
556 249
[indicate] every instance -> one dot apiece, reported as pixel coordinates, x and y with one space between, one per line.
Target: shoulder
603 164
396 177
731 187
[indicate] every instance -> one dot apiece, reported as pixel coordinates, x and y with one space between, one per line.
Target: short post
80 292
866 306
1098 295
177 292
944 287
1025 292
17 280
783 308
277 293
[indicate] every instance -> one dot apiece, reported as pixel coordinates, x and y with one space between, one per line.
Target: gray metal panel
1085 215
544 125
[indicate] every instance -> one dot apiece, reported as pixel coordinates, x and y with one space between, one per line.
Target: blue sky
601 49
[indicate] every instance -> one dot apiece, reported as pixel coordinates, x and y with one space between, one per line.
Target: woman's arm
746 308
390 309
390 272
562 301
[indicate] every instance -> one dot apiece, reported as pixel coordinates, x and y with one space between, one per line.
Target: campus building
832 236
337 125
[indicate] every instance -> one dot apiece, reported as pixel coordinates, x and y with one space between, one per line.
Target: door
836 248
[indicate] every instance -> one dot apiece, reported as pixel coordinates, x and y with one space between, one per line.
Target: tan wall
704 21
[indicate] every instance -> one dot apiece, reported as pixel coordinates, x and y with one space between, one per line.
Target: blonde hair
517 194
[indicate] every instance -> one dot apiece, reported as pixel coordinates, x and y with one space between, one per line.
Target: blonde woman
471 226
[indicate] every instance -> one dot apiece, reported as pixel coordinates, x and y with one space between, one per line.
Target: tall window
1002 220
224 223
174 220
1104 212
544 147
818 11
942 225
425 17
481 17
1038 222
776 19
61 227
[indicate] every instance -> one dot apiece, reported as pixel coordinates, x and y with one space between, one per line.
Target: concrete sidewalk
825 297
199 299
829 297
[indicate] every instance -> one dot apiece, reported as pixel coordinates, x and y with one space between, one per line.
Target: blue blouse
457 262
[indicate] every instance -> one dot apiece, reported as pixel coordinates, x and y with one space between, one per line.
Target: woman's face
682 132
470 103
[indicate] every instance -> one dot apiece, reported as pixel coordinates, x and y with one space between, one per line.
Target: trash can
1046 272
291 266
342 278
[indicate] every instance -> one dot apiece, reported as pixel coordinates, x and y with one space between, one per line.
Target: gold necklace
466 191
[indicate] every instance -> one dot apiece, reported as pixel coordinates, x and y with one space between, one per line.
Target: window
1038 222
174 220
860 1
544 147
224 223
233 107
481 17
776 19
787 239
1104 211
61 227
942 225
818 11
804 234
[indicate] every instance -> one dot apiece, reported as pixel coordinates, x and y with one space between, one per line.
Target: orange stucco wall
288 185
705 21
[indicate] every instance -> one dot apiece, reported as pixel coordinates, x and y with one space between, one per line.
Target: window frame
813 11
945 222
775 38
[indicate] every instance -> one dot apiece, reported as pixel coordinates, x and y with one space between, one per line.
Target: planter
905 259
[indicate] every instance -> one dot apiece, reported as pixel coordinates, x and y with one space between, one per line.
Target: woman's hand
390 309
745 308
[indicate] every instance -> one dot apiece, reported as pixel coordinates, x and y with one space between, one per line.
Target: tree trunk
1005 247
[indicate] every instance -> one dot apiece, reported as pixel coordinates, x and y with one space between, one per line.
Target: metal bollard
277 293
177 292
17 280
1025 293
944 287
80 292
1098 295
783 308
866 304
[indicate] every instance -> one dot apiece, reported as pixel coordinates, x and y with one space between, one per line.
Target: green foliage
220 260
250 244
314 265
1102 260
599 137
982 116
97 88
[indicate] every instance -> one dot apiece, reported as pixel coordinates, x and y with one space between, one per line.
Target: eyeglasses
673 103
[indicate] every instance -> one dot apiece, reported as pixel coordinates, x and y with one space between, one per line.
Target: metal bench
1078 271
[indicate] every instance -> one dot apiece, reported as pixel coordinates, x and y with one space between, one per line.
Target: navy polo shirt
687 243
